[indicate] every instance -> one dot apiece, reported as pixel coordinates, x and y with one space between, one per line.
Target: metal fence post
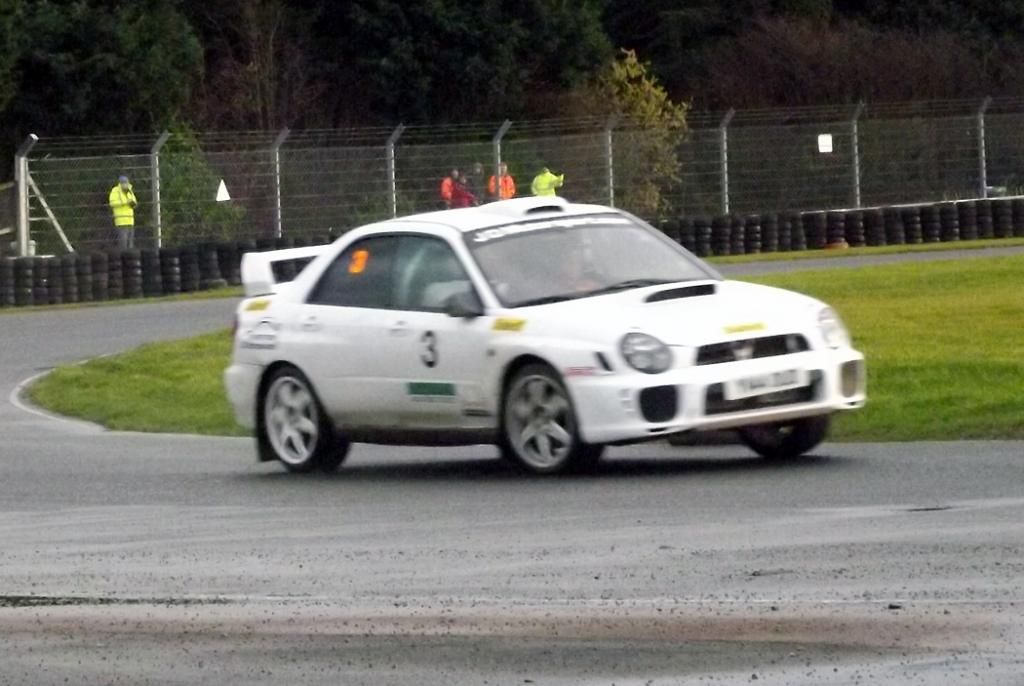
609 155
392 180
855 146
21 177
276 155
154 166
723 151
506 125
982 164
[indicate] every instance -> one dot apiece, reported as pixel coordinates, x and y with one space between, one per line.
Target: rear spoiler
263 271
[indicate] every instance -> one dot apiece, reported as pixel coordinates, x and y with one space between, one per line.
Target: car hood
684 314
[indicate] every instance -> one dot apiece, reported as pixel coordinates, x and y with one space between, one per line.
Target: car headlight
832 329
645 353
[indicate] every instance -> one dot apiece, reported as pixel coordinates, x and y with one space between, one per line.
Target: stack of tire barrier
69 278
855 229
167 271
1017 210
720 228
752 233
6 282
131 273
54 282
967 214
209 268
912 224
931 227
100 276
152 274
41 282
770 233
229 258
877 226
24 277
687 234
170 270
785 233
702 235
737 233
816 230
874 227
115 275
949 222
1002 218
835 229
188 257
984 211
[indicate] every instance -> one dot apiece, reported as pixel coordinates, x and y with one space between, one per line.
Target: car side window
361 276
429 274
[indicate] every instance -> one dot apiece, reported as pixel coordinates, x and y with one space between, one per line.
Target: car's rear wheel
786 440
539 426
294 428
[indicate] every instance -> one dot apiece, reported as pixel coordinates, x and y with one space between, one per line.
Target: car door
440 360
343 337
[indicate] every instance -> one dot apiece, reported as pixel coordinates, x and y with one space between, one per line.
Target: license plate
760 384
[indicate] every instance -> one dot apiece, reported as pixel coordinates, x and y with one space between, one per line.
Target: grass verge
229 292
942 341
164 387
862 252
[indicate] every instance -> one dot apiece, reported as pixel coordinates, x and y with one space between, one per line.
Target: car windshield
537 262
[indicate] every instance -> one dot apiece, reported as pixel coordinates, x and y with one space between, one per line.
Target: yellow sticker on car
744 328
257 306
508 324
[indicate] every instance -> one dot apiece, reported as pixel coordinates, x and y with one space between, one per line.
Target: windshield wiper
630 283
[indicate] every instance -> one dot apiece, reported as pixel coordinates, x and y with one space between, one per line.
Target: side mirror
464 305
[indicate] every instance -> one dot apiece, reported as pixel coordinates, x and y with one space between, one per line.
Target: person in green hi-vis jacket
122 204
546 182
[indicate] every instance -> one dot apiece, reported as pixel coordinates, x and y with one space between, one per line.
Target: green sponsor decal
431 388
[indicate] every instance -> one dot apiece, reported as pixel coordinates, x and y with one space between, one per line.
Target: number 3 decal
429 355
358 263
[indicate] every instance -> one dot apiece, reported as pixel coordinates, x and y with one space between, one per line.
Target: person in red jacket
461 195
447 186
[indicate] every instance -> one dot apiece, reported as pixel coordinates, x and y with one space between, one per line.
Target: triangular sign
222 192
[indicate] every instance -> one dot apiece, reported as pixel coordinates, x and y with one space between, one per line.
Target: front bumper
241 381
631 406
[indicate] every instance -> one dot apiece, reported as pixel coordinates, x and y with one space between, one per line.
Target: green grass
943 344
862 252
166 387
942 339
229 292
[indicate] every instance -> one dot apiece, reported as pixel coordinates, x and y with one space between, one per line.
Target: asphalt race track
156 559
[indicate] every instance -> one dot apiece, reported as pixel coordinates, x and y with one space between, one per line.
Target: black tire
312 442
786 440
536 402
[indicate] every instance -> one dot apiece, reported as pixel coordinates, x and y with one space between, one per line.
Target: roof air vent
545 208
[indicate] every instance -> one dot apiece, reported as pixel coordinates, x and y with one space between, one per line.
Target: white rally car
547 328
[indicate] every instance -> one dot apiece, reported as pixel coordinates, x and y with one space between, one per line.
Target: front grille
751 348
659 403
715 402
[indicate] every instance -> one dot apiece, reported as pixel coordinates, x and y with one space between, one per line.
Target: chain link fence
310 183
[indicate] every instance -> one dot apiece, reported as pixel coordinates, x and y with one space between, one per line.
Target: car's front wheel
786 440
294 428
539 427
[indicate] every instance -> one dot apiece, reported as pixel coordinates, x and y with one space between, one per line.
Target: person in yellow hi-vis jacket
122 204
545 183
